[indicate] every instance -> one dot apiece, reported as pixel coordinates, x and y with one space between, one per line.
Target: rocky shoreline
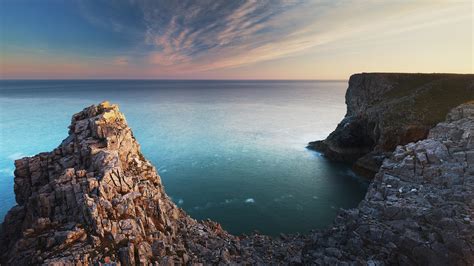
419 208
96 197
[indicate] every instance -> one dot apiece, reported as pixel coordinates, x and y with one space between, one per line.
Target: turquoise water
231 151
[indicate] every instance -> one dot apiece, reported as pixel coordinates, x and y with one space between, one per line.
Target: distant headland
385 110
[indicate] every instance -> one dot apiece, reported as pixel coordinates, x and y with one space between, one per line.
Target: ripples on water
232 151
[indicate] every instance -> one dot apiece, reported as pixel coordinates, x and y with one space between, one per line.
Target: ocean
231 151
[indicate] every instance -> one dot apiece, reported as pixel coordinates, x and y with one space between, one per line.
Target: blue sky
317 39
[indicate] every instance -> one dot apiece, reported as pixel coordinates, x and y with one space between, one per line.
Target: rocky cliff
96 197
389 109
419 209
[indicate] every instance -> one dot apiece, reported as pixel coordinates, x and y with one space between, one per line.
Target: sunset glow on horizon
233 39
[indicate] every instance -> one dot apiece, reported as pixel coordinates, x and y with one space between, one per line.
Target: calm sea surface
231 151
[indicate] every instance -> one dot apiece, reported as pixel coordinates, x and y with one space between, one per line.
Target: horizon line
230 79
161 79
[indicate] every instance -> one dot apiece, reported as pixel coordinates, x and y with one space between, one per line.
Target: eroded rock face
96 196
385 110
92 193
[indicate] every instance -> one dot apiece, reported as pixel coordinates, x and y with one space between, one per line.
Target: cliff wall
385 110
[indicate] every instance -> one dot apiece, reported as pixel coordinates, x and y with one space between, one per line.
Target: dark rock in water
95 198
385 110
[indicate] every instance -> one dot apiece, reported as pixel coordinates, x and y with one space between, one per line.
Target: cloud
182 31
196 36
185 35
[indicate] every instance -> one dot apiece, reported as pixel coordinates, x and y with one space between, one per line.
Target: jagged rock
96 198
97 181
385 110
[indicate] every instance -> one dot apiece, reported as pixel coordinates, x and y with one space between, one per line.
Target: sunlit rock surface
96 196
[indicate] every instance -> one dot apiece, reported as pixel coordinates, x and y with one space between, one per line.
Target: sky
223 39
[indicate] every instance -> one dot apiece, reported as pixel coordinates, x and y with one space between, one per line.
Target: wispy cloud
186 32
205 35
159 38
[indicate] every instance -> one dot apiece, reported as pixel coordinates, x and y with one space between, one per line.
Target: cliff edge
96 197
385 110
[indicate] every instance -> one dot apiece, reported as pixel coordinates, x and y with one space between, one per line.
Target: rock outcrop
96 197
389 109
